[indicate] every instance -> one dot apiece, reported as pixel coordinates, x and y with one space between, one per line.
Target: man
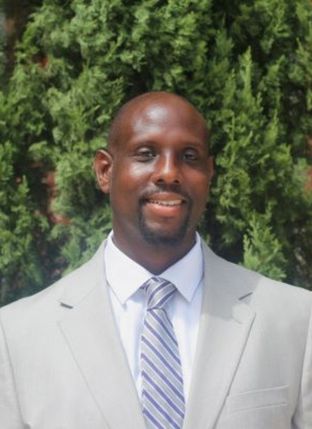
156 331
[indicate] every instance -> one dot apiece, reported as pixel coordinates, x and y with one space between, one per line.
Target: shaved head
140 104
157 172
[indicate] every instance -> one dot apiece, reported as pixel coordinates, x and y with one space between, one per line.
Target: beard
156 237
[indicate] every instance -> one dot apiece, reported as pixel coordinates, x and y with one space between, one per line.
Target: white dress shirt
125 277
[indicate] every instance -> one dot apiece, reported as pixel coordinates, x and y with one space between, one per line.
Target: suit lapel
92 336
223 332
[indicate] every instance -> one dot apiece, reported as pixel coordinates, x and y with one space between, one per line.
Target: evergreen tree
2 42
246 65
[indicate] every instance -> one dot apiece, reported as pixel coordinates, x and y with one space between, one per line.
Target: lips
165 199
166 203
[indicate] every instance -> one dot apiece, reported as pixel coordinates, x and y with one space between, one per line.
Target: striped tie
162 382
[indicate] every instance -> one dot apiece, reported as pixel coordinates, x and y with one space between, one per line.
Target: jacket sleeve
10 416
303 416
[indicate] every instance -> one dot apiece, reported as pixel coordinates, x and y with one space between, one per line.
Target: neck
154 258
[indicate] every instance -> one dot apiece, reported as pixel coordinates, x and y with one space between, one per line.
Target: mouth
166 203
165 200
165 215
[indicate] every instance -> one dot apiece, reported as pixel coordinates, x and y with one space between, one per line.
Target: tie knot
159 291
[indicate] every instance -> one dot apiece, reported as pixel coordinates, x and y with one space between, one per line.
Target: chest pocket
257 409
277 396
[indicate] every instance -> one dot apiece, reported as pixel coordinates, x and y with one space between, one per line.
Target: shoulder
46 304
260 292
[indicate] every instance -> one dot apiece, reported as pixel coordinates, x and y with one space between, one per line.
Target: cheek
201 186
200 194
130 176
140 172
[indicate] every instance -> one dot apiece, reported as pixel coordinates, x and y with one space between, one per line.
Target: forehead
161 116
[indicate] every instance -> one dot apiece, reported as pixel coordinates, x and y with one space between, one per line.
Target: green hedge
246 65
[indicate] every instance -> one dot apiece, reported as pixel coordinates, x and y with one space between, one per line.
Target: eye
191 155
144 154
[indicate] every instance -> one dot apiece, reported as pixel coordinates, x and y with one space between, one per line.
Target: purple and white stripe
162 381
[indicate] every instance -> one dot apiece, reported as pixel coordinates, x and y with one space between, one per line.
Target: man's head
157 172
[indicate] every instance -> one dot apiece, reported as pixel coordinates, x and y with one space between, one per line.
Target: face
158 174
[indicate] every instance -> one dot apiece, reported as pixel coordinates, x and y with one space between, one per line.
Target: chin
163 238
164 235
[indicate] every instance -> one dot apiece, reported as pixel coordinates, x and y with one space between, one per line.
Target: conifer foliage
247 65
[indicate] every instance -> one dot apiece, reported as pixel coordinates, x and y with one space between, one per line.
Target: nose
167 170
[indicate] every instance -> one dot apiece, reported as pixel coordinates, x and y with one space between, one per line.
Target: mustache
165 188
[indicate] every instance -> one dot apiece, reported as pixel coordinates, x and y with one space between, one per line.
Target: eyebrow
141 140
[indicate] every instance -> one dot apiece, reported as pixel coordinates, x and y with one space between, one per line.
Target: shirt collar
126 276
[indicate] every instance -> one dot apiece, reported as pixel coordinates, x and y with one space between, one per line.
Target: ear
103 163
210 166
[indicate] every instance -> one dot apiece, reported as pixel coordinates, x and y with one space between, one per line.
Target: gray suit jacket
62 365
